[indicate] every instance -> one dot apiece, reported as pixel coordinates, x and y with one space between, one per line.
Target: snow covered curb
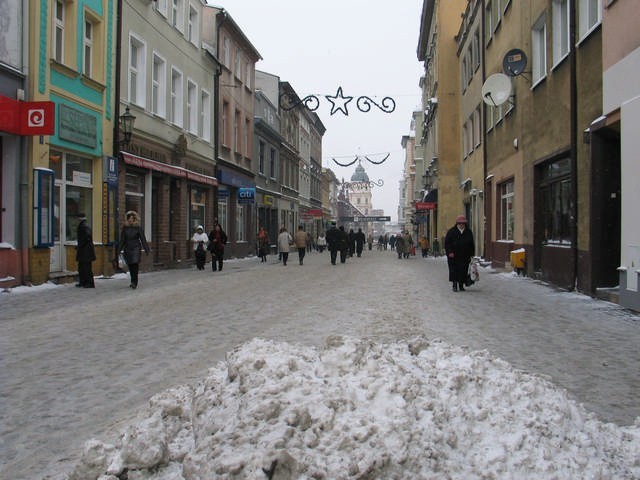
359 409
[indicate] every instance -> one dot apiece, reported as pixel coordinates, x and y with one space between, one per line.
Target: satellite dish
496 89
514 62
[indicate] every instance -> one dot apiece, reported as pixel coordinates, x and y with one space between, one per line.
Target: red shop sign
27 118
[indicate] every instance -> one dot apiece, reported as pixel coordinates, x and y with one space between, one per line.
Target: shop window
556 204
78 192
197 208
241 216
134 194
223 213
507 219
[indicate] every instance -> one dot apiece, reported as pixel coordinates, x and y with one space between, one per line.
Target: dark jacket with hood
132 241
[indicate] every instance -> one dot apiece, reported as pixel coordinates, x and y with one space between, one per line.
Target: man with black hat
85 253
459 247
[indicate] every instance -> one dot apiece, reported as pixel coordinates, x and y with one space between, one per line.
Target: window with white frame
225 123
238 61
159 86
193 32
272 162
465 140
223 211
476 128
177 15
463 77
539 49
134 193
205 115
488 121
192 107
488 23
176 97
240 222
589 15
261 153
498 113
497 14
58 32
87 48
470 143
137 71
560 30
245 137
161 6
226 47
507 220
476 49
236 132
247 80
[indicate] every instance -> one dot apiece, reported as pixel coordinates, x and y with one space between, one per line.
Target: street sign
246 195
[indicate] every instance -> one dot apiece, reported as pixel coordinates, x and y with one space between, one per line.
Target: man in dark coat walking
85 253
360 239
332 242
459 247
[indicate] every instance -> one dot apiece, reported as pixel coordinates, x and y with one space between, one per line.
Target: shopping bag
122 263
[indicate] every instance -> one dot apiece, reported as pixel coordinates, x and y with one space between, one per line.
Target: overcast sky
367 47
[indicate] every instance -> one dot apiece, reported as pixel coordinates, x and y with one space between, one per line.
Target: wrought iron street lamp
127 120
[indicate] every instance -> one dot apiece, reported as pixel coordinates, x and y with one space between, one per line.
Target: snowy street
77 363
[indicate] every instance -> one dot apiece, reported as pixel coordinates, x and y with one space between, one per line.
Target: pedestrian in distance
132 242
351 239
407 242
200 242
343 246
424 246
85 253
284 240
333 242
399 245
263 244
300 241
459 248
217 241
392 242
309 242
370 241
321 243
359 238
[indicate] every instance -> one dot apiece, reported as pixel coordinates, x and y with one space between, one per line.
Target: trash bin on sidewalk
518 260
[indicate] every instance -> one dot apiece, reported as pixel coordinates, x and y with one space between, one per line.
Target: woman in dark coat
217 241
459 247
132 242
85 254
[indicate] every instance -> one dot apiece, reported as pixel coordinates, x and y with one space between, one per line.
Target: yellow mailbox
518 258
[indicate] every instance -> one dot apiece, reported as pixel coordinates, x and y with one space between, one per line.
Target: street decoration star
339 102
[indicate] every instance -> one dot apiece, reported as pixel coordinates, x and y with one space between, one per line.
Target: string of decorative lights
338 102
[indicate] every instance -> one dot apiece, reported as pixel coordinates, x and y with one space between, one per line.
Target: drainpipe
116 108
116 117
574 141
23 151
220 18
487 228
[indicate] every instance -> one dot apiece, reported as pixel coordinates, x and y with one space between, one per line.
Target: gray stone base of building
629 298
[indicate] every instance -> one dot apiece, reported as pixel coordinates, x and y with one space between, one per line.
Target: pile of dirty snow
358 409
